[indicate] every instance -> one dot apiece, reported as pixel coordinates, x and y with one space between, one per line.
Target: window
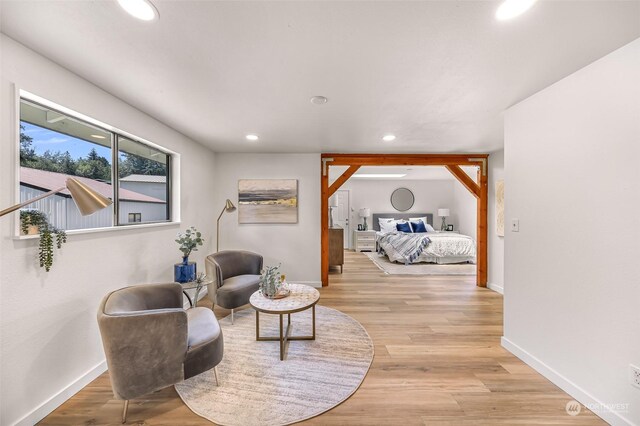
135 217
56 145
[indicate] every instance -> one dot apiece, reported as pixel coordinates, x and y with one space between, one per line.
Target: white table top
301 297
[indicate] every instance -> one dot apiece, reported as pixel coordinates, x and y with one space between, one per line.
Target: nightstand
364 240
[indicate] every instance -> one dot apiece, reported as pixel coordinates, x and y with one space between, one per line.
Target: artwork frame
267 201
450 228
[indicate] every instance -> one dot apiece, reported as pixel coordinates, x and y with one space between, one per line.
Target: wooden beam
342 179
464 179
324 225
482 229
404 159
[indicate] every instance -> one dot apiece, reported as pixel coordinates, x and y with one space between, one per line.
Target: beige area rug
256 388
392 268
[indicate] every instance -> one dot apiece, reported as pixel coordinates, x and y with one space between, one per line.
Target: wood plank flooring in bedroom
438 361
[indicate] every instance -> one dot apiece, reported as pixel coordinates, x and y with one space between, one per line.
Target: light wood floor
438 361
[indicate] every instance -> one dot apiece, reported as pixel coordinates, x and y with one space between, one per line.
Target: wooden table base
285 336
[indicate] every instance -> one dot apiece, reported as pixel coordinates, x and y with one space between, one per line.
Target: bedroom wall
295 246
50 344
464 215
496 243
376 194
571 293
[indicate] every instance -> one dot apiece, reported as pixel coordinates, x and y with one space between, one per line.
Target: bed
430 247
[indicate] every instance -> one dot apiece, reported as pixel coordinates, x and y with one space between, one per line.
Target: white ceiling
438 74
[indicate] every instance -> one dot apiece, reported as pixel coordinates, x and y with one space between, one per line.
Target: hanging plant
49 235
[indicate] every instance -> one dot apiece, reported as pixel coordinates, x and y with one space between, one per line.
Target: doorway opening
348 164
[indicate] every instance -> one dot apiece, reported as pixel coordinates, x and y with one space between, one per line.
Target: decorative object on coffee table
188 242
301 298
272 283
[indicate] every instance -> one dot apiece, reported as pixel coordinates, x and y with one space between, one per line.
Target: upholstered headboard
406 216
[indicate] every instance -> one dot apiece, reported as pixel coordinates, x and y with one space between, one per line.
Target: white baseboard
496 288
58 399
316 284
576 392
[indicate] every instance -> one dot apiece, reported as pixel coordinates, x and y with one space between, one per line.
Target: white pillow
387 225
424 220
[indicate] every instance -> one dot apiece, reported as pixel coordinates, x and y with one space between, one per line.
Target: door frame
452 162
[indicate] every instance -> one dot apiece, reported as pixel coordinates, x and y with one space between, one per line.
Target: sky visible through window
48 140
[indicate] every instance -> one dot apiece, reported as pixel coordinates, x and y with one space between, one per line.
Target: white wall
295 246
496 243
571 274
50 344
464 214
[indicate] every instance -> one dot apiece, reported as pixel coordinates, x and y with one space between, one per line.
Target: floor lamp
228 207
88 200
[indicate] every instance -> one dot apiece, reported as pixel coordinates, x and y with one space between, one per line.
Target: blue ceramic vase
184 272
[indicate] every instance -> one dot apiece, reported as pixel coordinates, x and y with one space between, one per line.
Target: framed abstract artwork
267 201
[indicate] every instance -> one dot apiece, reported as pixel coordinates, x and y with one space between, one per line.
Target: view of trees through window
54 145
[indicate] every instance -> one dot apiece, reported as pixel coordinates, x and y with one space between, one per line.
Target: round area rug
256 388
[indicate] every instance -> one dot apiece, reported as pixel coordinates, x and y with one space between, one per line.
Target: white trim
576 392
61 397
316 284
105 229
496 288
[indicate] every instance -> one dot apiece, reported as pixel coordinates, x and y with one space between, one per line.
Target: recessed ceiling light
379 175
141 9
319 100
98 136
388 138
252 137
511 8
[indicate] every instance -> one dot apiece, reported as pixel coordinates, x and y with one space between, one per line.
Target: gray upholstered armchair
235 277
151 342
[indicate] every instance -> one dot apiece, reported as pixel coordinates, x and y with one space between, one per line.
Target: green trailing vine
49 235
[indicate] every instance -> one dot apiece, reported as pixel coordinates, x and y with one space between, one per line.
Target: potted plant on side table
188 241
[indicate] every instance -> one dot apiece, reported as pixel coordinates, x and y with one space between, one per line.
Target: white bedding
445 247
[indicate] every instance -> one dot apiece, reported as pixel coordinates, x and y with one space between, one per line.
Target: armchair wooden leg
232 316
215 372
124 411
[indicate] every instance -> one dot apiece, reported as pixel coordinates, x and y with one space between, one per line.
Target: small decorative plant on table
273 285
36 222
188 241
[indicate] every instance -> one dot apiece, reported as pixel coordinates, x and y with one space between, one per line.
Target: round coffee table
302 297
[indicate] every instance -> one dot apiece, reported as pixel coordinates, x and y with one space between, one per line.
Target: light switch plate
515 225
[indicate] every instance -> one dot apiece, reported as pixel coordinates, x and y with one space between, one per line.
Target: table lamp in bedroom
333 203
365 213
443 213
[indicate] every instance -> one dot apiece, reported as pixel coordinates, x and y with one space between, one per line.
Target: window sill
101 230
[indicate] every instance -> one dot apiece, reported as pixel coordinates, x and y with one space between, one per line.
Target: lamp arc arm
33 200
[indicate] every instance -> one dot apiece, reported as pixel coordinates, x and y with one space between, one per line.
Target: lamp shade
443 212
365 212
333 201
229 207
88 200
